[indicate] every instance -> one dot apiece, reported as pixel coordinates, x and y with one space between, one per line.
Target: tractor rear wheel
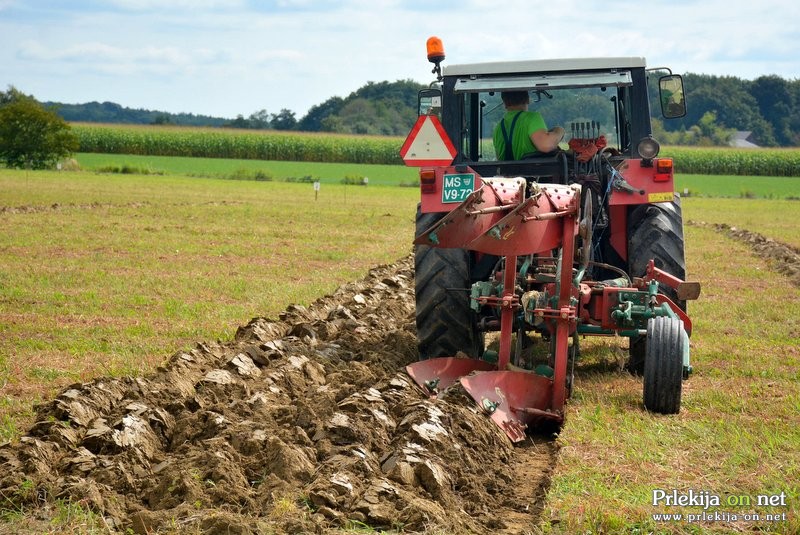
446 324
663 365
655 231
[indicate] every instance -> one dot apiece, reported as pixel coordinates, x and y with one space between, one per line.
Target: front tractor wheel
663 365
446 324
655 231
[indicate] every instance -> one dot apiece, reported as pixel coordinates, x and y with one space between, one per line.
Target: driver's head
515 98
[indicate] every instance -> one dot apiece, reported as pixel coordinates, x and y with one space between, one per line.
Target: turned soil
304 424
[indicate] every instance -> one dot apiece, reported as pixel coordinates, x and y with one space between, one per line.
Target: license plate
660 197
456 188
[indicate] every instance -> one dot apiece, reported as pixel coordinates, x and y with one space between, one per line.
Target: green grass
777 219
327 173
333 173
739 429
746 187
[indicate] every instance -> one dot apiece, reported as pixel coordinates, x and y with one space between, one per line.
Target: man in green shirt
526 130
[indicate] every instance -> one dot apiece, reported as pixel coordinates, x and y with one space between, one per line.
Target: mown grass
109 275
776 219
743 187
731 186
738 432
326 173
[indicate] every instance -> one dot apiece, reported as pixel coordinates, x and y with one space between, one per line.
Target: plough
536 291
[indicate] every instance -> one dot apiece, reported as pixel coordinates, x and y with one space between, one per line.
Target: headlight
648 148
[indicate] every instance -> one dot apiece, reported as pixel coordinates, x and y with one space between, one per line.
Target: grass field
326 173
738 433
106 274
777 187
697 185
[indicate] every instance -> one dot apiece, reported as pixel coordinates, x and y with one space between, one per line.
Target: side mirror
671 96
429 102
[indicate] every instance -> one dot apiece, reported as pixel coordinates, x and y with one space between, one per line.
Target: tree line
382 108
768 106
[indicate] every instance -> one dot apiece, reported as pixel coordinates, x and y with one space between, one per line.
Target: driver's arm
547 140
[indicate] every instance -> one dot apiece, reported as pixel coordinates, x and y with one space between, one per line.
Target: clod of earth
305 424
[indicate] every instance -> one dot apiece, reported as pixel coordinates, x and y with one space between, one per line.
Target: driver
522 133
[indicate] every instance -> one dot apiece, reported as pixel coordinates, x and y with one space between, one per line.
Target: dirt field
306 424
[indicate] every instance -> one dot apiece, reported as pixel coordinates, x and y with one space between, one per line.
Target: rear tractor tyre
446 324
663 365
655 231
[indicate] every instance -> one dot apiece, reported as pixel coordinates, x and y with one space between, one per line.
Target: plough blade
481 210
513 399
534 226
435 375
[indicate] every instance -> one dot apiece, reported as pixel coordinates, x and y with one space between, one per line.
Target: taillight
427 181
663 170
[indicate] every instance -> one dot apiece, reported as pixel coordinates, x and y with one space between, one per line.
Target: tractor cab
593 99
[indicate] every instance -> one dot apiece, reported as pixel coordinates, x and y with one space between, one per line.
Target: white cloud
189 6
234 56
268 56
91 52
102 58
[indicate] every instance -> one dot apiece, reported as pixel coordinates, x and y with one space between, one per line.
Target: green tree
239 122
161 119
775 102
30 135
383 108
283 120
710 132
260 120
730 100
312 121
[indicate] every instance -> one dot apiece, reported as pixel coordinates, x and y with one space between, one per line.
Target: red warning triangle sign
427 144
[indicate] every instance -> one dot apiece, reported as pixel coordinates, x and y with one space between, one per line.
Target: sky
234 57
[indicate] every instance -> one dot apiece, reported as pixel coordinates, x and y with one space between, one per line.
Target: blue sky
230 57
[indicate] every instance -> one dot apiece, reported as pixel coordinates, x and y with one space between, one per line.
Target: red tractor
584 240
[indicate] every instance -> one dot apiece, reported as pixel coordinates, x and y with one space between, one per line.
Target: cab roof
544 65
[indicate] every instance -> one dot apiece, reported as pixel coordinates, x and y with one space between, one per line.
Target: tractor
536 253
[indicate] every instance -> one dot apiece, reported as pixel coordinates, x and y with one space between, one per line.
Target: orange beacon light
435 54
435 50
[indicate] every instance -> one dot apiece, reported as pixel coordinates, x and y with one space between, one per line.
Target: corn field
238 144
337 148
731 161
